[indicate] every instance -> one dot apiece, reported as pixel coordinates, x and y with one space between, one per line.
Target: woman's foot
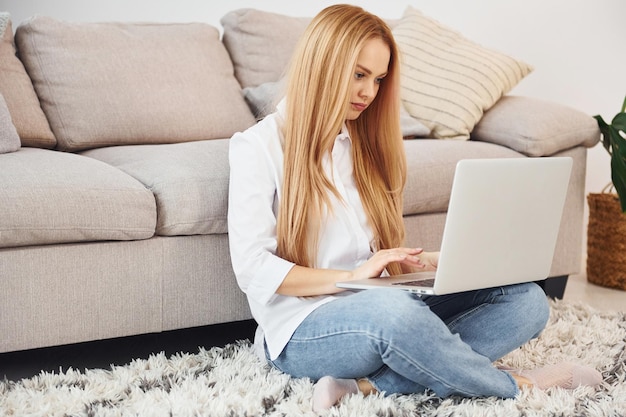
564 375
328 391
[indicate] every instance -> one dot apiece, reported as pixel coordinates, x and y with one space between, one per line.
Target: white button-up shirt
256 179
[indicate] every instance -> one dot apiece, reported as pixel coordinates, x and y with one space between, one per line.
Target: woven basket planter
606 241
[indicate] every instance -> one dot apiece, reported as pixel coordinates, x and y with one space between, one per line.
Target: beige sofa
114 171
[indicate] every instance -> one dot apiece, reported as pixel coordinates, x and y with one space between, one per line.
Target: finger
408 251
414 251
414 260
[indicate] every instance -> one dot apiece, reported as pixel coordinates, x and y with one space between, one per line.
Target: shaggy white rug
231 381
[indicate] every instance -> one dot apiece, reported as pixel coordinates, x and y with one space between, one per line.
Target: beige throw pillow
448 81
15 85
106 84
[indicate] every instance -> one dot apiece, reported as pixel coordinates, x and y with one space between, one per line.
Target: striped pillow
448 81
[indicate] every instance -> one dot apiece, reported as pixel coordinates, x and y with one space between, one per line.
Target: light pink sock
328 391
565 375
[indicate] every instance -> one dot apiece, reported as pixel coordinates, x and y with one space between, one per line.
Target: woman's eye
358 75
379 80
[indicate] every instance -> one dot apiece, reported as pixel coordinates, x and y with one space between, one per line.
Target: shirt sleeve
255 158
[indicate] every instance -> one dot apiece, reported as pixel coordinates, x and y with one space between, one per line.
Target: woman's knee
539 301
535 305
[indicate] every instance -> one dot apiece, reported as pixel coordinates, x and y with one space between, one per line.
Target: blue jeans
404 343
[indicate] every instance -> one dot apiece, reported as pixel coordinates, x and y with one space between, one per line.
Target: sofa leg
554 287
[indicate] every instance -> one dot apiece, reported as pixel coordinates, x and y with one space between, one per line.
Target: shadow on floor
104 353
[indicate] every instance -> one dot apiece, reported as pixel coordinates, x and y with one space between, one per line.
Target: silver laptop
501 228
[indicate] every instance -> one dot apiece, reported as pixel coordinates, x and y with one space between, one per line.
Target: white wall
576 46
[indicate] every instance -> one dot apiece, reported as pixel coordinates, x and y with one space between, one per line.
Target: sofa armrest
536 127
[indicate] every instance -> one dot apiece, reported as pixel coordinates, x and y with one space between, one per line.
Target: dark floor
104 353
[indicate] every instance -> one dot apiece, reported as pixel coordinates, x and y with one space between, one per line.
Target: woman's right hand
375 266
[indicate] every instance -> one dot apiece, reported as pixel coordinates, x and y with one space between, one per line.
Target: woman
316 198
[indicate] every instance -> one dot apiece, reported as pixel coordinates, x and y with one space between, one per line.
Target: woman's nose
367 91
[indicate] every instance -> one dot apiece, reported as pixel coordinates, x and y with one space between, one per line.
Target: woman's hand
410 258
430 260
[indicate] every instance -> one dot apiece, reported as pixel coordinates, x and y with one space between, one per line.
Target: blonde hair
317 94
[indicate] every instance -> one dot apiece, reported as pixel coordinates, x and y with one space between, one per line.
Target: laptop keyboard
418 283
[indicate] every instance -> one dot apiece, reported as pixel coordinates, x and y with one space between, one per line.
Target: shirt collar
343 135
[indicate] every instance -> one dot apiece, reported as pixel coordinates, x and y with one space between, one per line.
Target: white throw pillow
448 81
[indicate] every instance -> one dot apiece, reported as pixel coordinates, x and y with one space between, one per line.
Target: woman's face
371 67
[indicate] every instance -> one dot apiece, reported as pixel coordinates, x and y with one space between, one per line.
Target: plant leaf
619 122
618 164
604 130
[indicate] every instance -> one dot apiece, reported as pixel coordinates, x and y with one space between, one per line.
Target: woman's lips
359 106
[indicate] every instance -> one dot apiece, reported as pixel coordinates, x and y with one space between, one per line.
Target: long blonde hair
317 94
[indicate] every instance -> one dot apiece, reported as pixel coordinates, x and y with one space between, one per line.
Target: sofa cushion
448 81
55 197
536 127
188 180
132 83
260 43
15 85
9 140
430 170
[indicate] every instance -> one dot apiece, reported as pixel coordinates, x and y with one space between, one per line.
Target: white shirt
256 177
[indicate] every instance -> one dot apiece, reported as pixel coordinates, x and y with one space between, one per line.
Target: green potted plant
606 231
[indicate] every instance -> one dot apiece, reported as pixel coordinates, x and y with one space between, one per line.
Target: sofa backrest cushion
9 140
132 83
260 43
15 85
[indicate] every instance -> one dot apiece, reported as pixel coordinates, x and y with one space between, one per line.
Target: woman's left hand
429 260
